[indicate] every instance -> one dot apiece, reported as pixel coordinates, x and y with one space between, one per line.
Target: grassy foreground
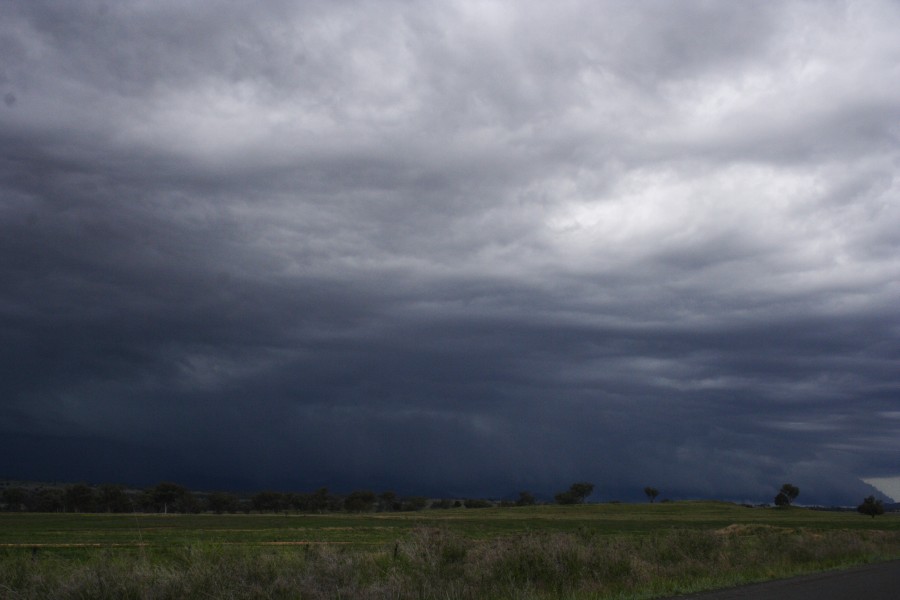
592 551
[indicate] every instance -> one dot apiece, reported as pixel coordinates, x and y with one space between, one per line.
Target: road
871 582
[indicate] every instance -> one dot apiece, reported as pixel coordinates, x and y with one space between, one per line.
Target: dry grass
437 563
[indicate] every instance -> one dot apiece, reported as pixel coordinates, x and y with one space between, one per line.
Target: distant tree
143 500
870 506
566 497
477 503
360 501
576 494
787 495
582 490
526 499
191 504
112 498
413 503
47 500
14 498
220 502
299 502
80 497
320 500
387 501
268 501
651 492
168 497
289 499
442 503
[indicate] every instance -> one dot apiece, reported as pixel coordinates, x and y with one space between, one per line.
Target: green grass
589 551
632 519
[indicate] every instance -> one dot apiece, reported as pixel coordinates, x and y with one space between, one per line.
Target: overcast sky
452 248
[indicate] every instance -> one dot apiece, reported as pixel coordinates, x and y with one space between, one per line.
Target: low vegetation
541 552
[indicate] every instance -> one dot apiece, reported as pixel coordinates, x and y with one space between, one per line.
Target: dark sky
452 248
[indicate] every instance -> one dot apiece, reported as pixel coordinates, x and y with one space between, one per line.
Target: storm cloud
453 248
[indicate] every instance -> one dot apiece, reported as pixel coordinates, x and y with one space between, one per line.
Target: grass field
587 551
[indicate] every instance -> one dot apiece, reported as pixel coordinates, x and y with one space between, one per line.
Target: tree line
168 497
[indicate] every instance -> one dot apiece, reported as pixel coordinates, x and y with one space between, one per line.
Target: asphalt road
871 582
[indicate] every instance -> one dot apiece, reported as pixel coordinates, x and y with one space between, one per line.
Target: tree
48 500
14 498
787 495
169 497
220 502
112 498
870 506
268 501
651 492
387 501
413 503
81 498
576 494
360 501
299 502
477 503
320 500
526 499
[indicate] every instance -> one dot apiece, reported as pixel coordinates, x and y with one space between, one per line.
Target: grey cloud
454 249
